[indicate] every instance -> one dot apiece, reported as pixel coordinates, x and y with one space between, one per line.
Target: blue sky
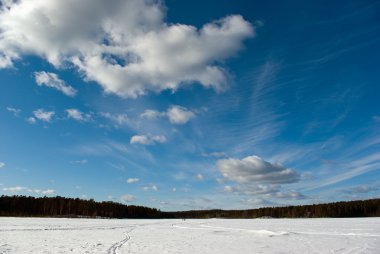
189 105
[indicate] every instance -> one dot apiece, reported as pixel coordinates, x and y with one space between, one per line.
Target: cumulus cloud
128 198
2 164
175 114
147 139
124 45
253 169
53 81
133 180
253 176
179 115
42 115
77 115
16 112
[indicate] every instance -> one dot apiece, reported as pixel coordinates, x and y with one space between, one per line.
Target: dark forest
23 206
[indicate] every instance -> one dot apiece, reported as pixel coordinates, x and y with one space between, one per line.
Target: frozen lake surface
40 235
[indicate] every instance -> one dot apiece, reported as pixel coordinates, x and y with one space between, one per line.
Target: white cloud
179 115
31 120
36 191
16 112
44 192
2 164
152 187
174 189
49 192
14 189
42 115
200 177
140 139
147 139
175 114
119 119
77 115
128 198
253 169
152 114
124 45
133 180
53 81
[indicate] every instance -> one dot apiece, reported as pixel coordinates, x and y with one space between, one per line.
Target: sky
183 105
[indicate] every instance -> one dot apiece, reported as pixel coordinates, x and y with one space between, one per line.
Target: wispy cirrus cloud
353 169
16 112
362 189
118 119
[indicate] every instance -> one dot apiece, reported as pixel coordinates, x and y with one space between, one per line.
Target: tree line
361 208
24 206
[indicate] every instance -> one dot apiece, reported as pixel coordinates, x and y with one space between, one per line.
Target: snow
51 235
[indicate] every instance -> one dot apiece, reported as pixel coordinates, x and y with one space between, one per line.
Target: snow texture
48 235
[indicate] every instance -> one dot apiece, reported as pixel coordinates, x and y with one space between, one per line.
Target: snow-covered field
39 235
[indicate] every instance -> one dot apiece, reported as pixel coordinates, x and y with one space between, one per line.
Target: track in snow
114 248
